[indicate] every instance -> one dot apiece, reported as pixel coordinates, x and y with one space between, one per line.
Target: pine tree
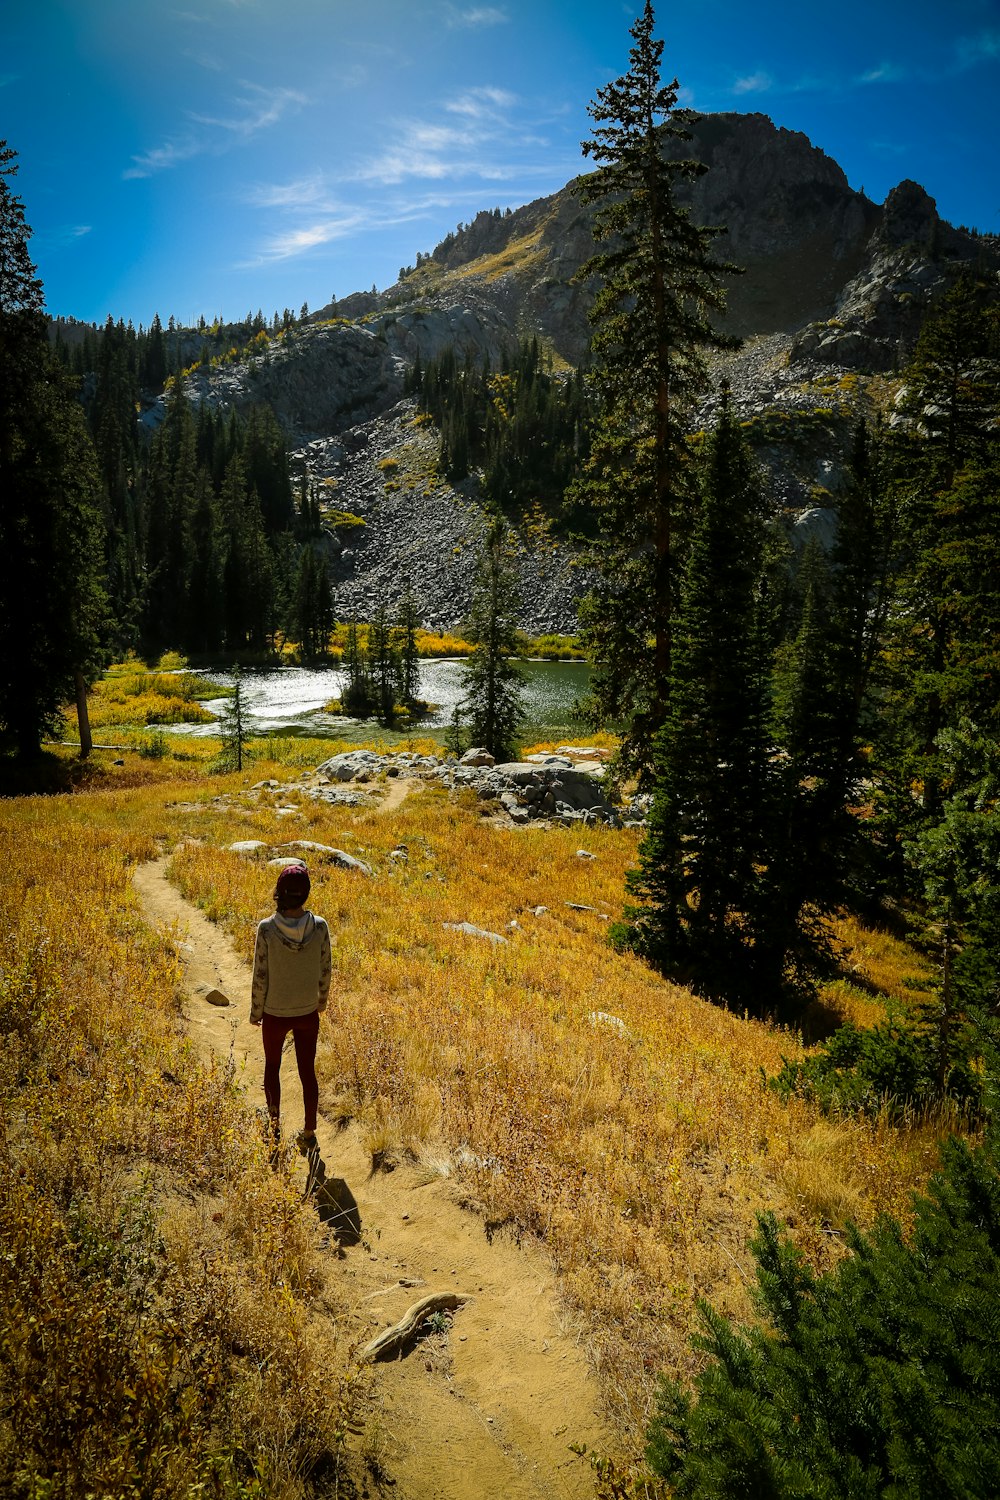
493 702
203 627
956 860
946 610
659 288
356 695
52 599
881 1377
699 874
312 607
407 654
810 832
232 506
235 728
383 660
153 366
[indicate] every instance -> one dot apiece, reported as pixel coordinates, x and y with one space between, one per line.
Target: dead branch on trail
391 1340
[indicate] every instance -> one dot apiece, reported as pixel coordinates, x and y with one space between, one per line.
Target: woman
291 985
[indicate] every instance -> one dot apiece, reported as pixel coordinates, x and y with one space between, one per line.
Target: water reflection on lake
289 700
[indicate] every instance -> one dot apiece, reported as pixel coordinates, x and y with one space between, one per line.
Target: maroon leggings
305 1031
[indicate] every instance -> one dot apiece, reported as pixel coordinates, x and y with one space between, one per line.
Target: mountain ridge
831 302
802 234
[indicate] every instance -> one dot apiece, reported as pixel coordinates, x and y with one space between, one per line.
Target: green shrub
880 1378
152 746
892 1067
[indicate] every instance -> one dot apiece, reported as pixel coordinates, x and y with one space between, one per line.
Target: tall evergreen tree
383 659
312 605
407 655
698 881
52 598
810 831
946 610
659 285
113 424
203 626
493 701
356 695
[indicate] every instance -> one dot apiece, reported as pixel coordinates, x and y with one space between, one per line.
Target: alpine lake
290 701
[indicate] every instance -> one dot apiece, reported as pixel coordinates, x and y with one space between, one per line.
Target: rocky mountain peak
909 216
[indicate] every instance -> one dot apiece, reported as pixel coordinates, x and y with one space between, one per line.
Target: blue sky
216 156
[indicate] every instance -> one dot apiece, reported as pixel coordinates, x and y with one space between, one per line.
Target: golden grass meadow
161 1288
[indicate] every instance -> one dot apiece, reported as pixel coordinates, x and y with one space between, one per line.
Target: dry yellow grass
571 1093
519 255
129 694
576 1095
156 1288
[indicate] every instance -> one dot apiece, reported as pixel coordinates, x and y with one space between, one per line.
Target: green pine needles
700 864
880 1378
493 703
658 288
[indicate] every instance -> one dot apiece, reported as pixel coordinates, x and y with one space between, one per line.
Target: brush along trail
486 1400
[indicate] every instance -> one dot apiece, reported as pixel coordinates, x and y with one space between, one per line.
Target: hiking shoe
307 1143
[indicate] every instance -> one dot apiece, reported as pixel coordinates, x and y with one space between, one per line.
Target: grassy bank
160 1285
570 1093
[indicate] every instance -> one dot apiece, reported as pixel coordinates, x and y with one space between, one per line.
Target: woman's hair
292 889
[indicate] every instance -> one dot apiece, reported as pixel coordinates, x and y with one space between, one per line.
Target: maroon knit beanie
292 888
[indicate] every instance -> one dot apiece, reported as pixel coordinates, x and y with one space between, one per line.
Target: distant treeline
156 353
523 427
206 545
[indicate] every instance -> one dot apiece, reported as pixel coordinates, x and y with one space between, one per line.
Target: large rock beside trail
548 787
577 789
350 764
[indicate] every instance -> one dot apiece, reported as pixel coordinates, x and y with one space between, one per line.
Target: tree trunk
83 716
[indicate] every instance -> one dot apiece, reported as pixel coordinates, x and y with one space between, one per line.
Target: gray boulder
477 756
476 932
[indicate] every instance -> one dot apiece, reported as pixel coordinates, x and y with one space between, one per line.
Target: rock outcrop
812 249
553 788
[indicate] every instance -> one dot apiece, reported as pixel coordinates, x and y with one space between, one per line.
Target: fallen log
391 1340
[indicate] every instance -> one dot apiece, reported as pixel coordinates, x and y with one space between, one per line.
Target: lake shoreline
289 700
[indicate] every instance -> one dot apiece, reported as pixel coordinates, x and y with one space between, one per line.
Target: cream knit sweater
291 966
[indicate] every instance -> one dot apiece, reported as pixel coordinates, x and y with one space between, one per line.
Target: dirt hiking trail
484 1408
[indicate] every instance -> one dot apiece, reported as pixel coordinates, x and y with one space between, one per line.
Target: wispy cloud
478 136
298 241
971 51
487 138
304 193
257 109
762 82
482 104
260 107
207 61
886 72
754 83
69 234
476 15
161 158
6 79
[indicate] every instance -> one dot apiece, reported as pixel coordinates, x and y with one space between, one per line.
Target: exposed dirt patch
489 1403
396 791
